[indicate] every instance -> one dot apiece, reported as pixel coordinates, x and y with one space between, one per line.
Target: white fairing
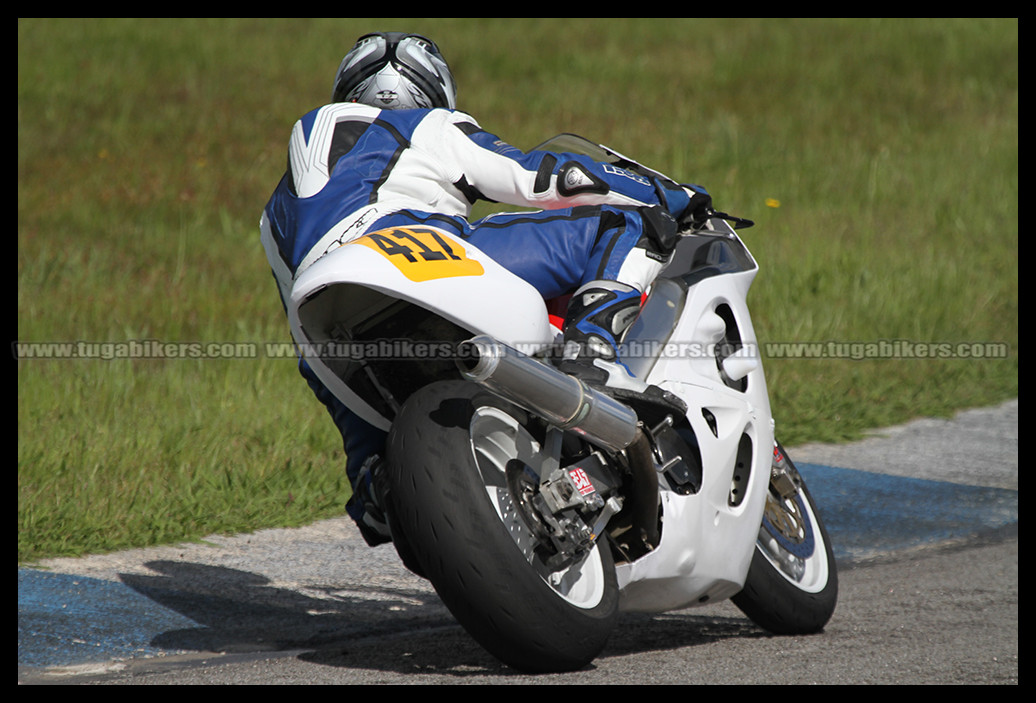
707 542
477 294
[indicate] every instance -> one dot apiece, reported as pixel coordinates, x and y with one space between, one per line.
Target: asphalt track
932 504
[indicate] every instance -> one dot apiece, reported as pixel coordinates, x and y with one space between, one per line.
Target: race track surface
909 498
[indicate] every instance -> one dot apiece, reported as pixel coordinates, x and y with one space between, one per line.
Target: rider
392 150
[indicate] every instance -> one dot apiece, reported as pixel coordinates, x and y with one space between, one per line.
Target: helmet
395 70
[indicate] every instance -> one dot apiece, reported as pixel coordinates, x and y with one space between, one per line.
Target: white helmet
395 71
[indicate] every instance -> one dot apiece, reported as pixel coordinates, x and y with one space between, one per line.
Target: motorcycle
539 507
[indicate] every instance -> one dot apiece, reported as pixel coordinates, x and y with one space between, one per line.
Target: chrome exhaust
558 398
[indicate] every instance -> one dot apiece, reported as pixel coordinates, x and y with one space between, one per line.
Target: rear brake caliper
565 511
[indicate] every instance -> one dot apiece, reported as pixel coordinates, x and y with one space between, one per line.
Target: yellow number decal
421 253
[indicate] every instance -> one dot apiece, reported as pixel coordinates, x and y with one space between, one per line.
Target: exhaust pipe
560 399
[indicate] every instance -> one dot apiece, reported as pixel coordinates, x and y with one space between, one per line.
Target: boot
366 505
598 314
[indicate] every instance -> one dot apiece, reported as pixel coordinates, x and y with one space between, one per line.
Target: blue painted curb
868 515
65 620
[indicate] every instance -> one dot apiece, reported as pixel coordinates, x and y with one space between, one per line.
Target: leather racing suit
353 169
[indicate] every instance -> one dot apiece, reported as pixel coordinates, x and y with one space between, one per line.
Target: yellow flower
773 202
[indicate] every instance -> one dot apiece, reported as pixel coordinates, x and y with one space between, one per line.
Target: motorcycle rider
391 149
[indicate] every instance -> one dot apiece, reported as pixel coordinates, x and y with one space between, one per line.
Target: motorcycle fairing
690 311
400 286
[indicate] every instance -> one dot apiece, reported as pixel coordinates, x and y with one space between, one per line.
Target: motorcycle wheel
792 584
448 453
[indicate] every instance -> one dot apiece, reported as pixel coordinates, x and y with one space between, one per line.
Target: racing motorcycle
541 507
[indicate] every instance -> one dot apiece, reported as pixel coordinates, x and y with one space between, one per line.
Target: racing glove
688 203
700 206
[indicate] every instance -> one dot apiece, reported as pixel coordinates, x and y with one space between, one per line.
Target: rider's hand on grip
700 206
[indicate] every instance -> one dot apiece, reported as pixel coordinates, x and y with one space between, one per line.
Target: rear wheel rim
498 439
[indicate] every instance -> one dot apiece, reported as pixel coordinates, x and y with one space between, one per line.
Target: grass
886 149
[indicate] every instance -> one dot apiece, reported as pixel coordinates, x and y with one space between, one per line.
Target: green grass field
878 157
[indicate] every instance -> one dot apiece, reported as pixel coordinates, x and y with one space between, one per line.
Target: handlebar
736 222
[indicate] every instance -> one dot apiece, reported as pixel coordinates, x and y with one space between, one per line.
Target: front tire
792 584
449 453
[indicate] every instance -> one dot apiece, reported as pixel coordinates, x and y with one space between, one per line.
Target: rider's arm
500 172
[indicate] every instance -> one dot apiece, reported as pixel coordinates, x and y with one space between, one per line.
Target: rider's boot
367 507
598 315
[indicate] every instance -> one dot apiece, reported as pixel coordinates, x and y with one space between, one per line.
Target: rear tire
447 452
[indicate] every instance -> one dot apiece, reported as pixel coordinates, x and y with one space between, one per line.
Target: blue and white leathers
353 166
354 169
